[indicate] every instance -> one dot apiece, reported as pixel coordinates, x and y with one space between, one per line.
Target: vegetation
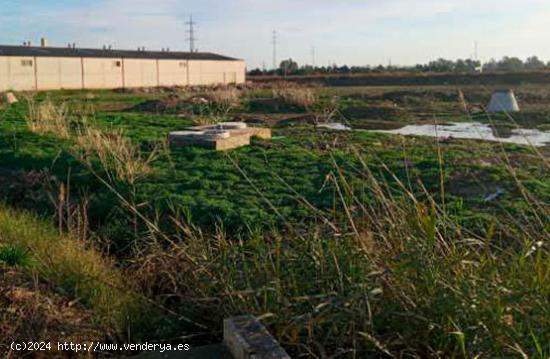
346 244
506 64
59 265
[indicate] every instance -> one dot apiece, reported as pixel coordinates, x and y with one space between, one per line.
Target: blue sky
355 32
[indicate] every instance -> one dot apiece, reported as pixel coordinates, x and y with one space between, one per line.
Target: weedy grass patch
348 244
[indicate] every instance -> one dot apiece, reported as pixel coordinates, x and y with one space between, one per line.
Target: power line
191 32
274 43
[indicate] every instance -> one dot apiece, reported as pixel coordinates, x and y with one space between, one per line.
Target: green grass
15 256
211 188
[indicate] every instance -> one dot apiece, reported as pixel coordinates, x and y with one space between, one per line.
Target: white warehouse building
27 68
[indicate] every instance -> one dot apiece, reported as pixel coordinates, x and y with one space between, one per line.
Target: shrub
14 256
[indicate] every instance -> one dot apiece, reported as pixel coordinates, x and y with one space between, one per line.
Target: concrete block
10 98
260 132
247 338
221 137
202 139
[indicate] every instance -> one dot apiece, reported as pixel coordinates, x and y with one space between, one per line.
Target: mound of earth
173 104
273 105
275 119
373 112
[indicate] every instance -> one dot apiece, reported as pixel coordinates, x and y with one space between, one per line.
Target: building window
26 63
118 63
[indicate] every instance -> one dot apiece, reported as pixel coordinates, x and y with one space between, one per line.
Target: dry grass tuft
119 157
46 117
227 97
296 96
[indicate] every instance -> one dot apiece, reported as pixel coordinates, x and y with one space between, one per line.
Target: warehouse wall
50 73
102 73
140 73
58 73
17 73
215 72
173 72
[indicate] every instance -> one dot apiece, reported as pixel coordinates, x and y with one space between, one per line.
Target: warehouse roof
80 52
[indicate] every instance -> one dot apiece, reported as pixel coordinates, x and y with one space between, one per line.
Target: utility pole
274 42
191 33
475 51
313 57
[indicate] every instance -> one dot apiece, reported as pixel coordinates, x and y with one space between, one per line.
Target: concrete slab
177 139
220 137
10 98
237 127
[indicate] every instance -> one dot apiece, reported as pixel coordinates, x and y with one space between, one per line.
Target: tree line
290 67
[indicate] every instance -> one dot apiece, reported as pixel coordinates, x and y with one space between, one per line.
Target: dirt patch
26 189
378 125
276 119
409 96
272 105
150 90
373 112
476 185
32 311
169 104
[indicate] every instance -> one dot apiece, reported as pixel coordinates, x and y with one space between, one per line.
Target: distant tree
441 65
344 69
510 64
256 72
533 63
307 69
288 67
490 65
507 64
466 65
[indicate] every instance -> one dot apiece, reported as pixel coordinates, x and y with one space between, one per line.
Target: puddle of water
335 126
476 131
466 130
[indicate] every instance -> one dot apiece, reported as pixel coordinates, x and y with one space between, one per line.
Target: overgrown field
346 244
